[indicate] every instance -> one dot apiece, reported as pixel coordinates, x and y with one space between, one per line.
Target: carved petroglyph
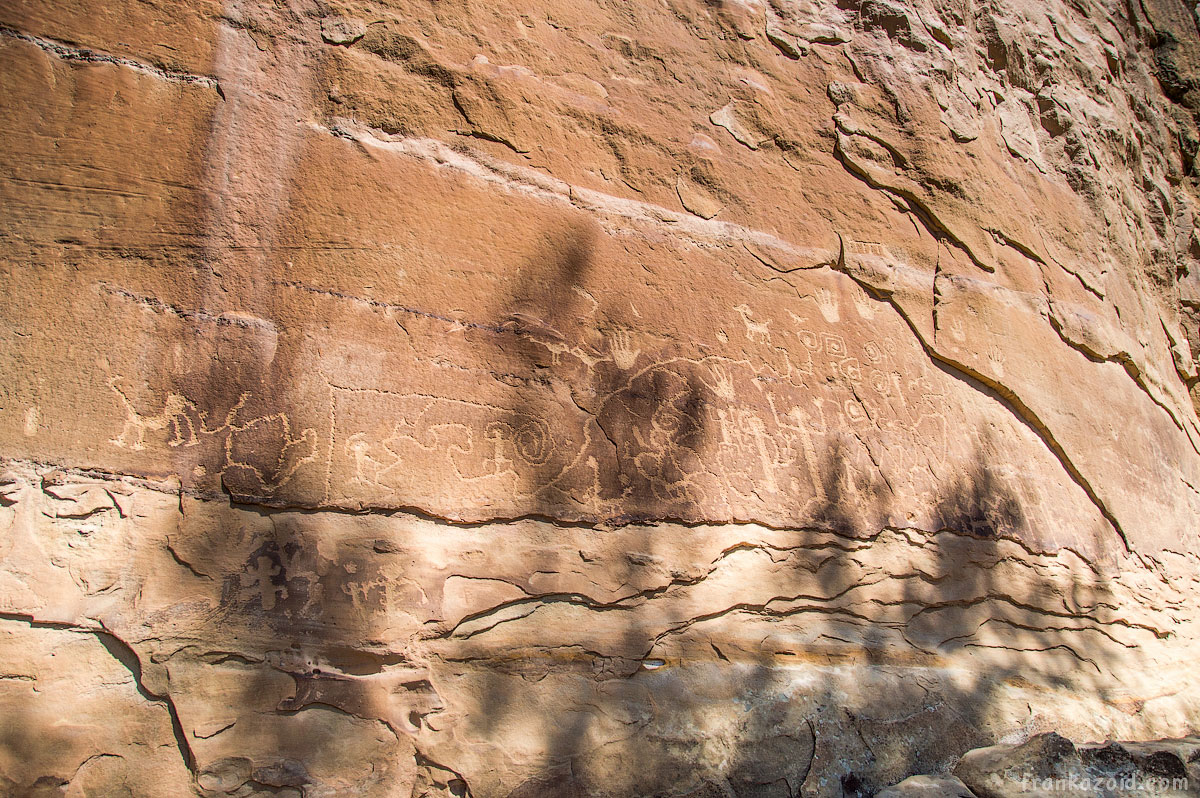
623 353
290 575
530 439
390 440
30 427
722 384
178 418
500 474
265 581
866 307
660 435
995 359
867 248
263 448
249 448
631 433
402 697
827 303
755 330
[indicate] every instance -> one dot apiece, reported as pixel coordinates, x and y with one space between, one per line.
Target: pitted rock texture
927 787
697 397
1051 764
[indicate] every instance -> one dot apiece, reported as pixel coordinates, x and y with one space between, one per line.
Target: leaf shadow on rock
878 700
835 682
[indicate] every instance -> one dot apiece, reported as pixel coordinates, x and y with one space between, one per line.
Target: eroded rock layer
429 397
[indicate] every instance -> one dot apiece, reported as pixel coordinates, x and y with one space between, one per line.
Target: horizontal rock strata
674 398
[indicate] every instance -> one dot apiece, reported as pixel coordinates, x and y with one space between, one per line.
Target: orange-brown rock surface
670 397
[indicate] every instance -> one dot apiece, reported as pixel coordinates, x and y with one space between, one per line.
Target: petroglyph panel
824 412
390 448
590 399
633 432
558 391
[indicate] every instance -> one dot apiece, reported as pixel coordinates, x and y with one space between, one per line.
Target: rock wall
673 397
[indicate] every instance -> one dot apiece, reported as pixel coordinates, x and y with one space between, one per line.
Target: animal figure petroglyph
366 467
685 430
755 330
178 415
262 447
249 448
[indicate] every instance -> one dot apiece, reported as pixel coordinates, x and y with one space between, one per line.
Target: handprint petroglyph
827 303
622 351
995 359
723 385
957 331
865 306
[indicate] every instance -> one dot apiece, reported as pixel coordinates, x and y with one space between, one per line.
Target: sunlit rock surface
674 398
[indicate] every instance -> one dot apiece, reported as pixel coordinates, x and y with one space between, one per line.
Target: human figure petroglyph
782 443
474 440
359 592
651 411
798 422
762 445
657 420
259 581
359 448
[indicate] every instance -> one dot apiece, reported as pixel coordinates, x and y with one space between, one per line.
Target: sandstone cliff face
427 397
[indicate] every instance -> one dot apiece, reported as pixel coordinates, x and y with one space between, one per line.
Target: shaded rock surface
1051 765
1048 764
927 787
682 398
